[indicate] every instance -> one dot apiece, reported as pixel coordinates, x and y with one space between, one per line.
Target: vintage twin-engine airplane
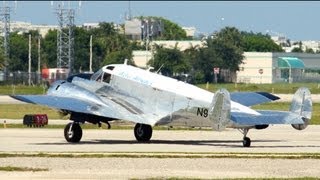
124 92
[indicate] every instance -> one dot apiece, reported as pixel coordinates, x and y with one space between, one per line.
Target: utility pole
29 67
147 39
39 59
90 63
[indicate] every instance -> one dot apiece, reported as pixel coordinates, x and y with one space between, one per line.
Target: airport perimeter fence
22 78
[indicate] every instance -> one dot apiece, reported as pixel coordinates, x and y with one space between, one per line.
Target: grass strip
168 155
278 88
183 178
13 168
17 111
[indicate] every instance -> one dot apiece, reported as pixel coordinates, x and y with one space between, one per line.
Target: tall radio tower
5 11
65 37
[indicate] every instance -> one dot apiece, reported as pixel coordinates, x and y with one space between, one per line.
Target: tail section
302 105
219 112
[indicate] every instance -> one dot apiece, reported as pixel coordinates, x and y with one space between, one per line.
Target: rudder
220 107
302 105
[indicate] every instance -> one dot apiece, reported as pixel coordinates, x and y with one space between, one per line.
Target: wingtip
269 96
20 98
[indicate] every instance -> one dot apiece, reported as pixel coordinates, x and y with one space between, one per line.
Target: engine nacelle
263 126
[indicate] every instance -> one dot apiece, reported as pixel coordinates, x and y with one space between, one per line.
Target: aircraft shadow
217 143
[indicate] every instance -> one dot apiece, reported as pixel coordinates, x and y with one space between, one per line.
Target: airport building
279 67
24 27
142 57
257 67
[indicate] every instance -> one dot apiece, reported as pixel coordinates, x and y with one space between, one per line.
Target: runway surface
275 139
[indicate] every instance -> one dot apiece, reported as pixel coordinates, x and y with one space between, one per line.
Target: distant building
141 58
314 45
181 45
288 45
23 27
279 67
133 29
136 29
190 31
89 26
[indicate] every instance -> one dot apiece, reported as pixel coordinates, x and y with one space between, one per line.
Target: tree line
223 49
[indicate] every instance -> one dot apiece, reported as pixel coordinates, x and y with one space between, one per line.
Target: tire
142 132
246 142
76 133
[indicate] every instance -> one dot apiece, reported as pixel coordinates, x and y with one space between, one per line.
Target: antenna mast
65 37
129 11
5 30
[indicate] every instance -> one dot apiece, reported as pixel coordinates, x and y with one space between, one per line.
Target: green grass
17 111
277 88
21 89
12 168
284 106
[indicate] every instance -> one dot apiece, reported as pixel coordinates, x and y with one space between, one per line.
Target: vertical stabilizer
220 110
302 105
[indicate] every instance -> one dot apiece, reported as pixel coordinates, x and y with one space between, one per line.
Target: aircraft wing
252 98
109 108
266 117
56 102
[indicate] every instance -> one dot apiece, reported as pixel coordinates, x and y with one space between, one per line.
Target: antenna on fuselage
125 61
159 68
150 68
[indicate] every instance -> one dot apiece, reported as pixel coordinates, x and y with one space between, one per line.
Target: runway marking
12 168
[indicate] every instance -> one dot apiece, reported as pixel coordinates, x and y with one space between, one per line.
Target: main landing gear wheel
73 132
246 142
142 132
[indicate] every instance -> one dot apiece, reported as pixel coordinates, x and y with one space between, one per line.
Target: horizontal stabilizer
252 98
266 117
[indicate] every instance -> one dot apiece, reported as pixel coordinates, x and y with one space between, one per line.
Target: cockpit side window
106 77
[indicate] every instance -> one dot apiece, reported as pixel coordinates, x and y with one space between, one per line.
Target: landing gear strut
142 132
73 132
246 141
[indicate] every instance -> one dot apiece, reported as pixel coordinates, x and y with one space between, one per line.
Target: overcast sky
295 20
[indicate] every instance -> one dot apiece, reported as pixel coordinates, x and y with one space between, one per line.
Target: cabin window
106 77
110 67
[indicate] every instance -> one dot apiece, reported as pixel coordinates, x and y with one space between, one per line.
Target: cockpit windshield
103 76
97 75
